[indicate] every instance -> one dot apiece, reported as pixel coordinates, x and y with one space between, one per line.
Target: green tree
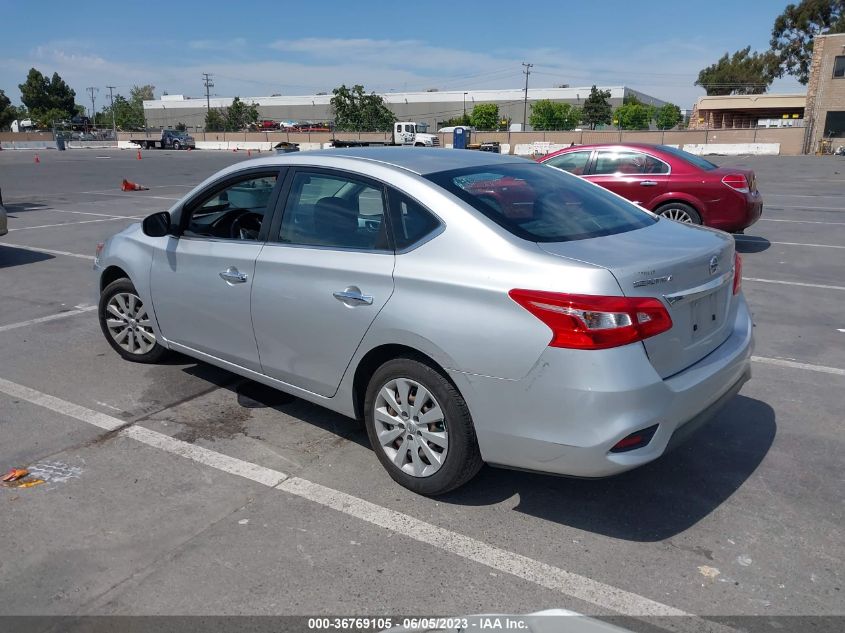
743 73
240 114
215 120
127 115
355 111
485 116
553 115
597 110
48 118
41 95
8 112
794 30
668 116
455 121
139 94
634 116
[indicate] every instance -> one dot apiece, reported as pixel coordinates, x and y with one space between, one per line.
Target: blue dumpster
460 137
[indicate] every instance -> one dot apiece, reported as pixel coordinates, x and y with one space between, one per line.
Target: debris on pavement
14 474
19 478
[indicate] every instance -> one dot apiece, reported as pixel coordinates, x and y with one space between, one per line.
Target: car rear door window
573 162
335 211
627 162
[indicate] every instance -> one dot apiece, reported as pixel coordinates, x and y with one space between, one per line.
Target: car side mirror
156 225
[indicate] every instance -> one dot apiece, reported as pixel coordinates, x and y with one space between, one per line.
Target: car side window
410 221
628 162
573 162
334 211
235 211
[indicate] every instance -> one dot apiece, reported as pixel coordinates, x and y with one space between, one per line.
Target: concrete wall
789 139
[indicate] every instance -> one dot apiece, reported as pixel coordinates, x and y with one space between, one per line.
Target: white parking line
780 207
49 226
755 240
45 319
792 283
801 221
539 573
781 362
123 195
49 251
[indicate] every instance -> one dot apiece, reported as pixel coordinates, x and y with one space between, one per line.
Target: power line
527 72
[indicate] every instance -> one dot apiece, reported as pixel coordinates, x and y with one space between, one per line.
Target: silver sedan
468 307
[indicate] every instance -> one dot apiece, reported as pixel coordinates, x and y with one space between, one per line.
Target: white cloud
665 69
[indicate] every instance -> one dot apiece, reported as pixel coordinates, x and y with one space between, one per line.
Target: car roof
419 160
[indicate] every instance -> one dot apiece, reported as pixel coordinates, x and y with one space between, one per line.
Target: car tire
680 212
126 324
177 145
449 418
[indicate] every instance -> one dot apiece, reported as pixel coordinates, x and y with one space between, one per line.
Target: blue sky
261 48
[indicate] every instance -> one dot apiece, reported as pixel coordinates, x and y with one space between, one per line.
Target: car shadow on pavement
751 244
20 207
651 503
11 256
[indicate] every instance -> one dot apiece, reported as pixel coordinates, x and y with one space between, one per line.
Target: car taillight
738 182
737 273
594 322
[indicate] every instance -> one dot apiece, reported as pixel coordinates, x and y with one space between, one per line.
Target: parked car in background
562 330
668 181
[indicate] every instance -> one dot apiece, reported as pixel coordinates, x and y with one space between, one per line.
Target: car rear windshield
699 162
542 204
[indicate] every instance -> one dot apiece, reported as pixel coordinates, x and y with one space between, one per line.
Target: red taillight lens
737 273
594 322
738 182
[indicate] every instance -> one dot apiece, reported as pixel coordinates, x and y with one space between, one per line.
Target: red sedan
668 181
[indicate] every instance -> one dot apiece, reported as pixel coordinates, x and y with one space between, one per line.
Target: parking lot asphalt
183 489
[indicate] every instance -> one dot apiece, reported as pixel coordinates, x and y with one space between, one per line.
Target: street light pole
464 120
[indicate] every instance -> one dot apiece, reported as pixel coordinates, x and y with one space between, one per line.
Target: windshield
699 162
541 204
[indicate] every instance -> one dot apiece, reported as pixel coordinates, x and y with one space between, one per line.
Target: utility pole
92 91
465 109
206 78
111 98
527 72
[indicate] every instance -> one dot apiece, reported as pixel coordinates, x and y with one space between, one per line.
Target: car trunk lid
690 269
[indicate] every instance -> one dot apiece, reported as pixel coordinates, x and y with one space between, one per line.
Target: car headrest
335 216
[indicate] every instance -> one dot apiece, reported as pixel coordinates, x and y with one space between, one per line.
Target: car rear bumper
574 405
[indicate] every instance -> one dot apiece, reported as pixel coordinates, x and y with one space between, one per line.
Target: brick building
826 93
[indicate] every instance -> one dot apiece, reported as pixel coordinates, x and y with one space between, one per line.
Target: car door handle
648 183
232 276
353 297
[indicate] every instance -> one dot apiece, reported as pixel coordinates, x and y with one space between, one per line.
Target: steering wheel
246 226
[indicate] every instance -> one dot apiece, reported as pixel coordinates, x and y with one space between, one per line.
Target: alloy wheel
411 427
129 324
677 214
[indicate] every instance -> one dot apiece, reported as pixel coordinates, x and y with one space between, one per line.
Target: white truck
404 133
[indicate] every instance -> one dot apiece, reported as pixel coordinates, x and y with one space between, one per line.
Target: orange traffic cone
128 185
249 152
37 160
235 150
139 155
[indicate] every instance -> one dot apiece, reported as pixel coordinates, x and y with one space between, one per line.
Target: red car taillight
594 322
738 182
737 273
